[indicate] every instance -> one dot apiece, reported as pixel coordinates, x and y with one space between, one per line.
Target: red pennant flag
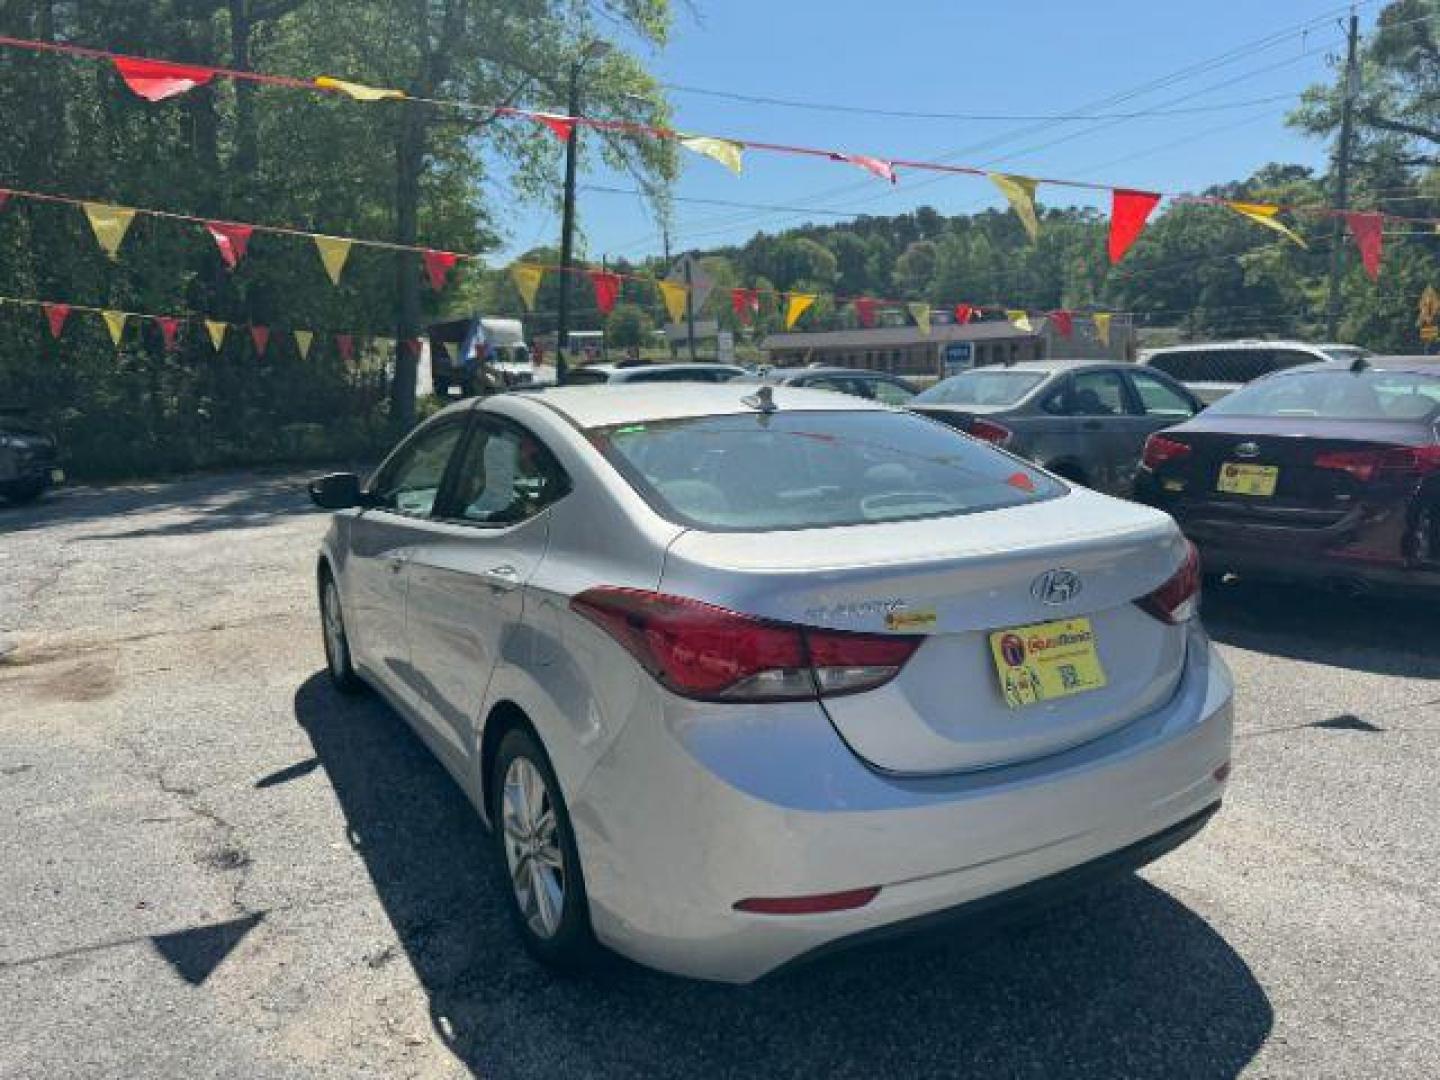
1368 230
1129 211
744 302
346 344
607 290
155 80
169 327
438 265
260 335
562 126
865 310
232 240
964 313
57 314
880 167
1064 322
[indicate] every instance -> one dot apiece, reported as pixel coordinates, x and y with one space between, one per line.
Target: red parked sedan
1328 472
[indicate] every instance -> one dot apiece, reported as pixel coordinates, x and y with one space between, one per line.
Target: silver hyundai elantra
737 675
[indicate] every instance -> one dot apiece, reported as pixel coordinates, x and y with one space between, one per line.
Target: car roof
1053 365
786 374
643 402
697 365
1421 365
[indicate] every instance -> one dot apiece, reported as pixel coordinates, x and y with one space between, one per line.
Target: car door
383 535
467 576
1155 403
1097 406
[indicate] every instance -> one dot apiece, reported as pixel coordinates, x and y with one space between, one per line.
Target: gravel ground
211 865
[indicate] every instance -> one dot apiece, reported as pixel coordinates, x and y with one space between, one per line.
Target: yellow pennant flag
1102 327
1264 214
796 304
303 340
358 91
110 224
1020 320
216 330
1020 191
725 151
527 280
673 293
115 323
921 314
333 253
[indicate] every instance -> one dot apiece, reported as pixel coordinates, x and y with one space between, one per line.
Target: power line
911 114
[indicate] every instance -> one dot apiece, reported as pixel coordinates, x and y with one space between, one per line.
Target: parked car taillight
1159 450
1179 598
989 431
701 651
1366 465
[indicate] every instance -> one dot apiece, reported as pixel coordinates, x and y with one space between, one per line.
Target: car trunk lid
957 581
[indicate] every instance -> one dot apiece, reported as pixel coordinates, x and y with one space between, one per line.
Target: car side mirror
338 491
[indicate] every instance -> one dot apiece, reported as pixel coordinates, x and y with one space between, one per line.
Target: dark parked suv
29 462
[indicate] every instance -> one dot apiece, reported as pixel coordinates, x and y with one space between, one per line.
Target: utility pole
1350 90
592 51
689 307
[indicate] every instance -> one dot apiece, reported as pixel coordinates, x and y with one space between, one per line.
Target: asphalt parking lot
211 865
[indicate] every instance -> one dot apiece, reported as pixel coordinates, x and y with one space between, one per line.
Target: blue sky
1235 68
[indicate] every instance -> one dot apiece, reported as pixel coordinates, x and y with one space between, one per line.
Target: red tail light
1179 598
989 431
701 651
1159 450
1366 465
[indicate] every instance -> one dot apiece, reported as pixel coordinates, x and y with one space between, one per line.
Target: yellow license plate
1237 479
1046 660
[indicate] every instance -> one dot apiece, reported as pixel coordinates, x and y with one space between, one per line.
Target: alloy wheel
532 848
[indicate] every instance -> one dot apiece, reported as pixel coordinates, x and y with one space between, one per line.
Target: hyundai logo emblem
1056 587
1247 450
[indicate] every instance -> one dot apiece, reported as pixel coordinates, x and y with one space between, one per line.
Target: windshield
803 470
989 389
1337 395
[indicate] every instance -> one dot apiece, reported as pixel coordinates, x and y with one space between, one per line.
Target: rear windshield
805 470
989 389
1337 395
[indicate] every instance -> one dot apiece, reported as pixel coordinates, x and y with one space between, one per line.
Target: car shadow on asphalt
1123 981
212 503
1380 634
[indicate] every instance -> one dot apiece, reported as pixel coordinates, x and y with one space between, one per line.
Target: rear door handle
396 563
501 577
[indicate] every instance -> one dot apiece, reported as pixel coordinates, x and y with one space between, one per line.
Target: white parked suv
1210 371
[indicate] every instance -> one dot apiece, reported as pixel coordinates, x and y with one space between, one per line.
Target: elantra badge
1247 450
1056 587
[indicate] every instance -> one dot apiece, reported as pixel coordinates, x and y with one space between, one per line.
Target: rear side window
506 476
805 470
1160 398
1185 366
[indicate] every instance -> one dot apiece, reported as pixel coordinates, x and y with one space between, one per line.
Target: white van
1210 371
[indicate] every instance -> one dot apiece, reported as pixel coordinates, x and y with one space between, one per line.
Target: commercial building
946 348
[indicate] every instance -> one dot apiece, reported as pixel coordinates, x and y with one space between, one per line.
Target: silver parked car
739 674
1083 420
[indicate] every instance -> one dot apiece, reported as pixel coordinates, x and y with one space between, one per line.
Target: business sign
958 358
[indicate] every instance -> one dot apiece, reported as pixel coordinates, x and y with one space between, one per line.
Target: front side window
1097 393
805 470
506 476
411 480
1160 398
889 393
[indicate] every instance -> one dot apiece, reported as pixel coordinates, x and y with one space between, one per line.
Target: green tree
628 326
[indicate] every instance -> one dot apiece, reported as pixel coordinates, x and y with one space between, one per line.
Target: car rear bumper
696 807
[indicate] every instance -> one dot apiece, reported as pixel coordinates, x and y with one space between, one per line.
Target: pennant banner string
363 93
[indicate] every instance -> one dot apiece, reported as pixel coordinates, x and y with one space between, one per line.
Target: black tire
337 644
19 494
570 946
